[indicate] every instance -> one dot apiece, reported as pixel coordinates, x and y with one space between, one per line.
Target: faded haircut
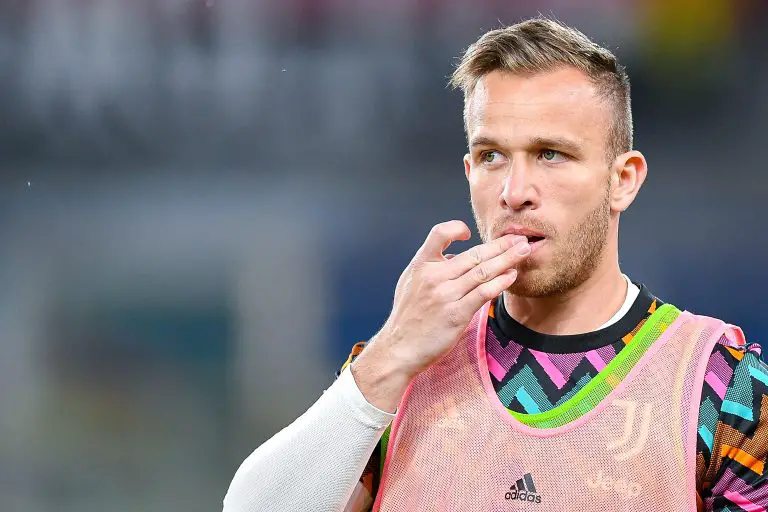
540 45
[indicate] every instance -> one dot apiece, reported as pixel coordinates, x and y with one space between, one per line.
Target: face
537 166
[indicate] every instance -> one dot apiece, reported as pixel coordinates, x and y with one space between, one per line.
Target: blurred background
205 203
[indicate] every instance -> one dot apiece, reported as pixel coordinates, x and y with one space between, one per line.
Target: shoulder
732 346
739 377
732 352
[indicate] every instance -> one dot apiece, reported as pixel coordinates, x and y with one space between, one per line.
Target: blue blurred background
204 204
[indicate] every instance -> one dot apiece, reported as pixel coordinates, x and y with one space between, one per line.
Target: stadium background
204 204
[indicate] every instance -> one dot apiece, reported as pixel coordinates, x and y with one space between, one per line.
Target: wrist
380 379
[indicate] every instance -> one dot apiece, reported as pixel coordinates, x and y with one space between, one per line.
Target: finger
440 237
490 269
476 255
487 291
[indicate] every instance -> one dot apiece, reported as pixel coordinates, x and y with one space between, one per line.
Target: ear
467 165
627 176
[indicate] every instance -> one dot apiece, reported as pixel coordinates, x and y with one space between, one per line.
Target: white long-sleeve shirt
315 463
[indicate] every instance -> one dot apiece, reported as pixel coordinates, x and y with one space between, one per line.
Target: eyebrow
483 141
560 143
567 145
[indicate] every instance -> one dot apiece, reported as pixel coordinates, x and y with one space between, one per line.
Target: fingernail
523 248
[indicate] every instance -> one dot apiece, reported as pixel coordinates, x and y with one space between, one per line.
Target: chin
530 283
538 283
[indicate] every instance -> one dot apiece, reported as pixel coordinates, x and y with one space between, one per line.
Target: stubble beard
573 259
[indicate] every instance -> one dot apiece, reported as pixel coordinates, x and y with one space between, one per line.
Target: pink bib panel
455 447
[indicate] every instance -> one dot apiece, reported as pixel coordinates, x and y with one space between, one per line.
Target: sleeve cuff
361 409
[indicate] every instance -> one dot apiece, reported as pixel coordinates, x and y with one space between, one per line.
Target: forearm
316 461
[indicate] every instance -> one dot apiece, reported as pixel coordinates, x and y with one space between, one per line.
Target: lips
532 235
535 238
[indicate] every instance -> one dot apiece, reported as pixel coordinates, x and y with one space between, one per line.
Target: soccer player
529 373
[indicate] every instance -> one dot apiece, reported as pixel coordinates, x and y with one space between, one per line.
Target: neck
580 310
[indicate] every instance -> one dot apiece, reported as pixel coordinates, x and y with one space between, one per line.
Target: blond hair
541 45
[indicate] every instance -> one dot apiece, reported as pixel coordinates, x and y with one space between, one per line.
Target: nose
519 192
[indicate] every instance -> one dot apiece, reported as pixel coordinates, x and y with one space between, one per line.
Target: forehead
559 103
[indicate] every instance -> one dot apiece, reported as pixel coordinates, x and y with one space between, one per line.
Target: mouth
532 239
536 242
535 238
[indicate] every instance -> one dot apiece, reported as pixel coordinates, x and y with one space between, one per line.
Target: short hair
540 45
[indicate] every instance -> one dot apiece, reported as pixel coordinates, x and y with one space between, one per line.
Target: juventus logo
636 428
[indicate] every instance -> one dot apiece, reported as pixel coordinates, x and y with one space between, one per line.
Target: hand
435 299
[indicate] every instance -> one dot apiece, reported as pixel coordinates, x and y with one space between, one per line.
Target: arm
316 461
733 431
366 489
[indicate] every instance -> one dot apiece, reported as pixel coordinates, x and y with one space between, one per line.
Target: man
528 373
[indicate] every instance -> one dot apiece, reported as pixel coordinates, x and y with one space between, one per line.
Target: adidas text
523 496
523 490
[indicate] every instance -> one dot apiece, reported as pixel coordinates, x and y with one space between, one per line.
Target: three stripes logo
523 490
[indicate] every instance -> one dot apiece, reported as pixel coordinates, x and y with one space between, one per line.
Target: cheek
483 192
569 203
569 206
574 187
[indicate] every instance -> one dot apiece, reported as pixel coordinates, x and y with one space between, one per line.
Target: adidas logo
523 490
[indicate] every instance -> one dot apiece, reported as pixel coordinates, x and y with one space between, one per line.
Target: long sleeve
315 463
733 430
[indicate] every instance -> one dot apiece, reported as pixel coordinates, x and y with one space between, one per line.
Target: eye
490 157
551 156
